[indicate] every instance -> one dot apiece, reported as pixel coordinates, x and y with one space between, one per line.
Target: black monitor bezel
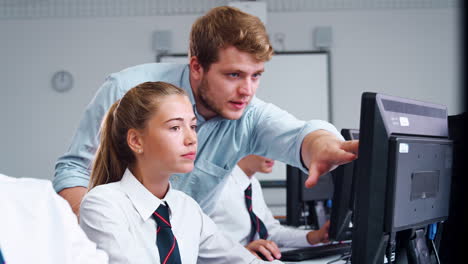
343 198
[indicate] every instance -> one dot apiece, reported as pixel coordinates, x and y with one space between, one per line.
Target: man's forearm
74 196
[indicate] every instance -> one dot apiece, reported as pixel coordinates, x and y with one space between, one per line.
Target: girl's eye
175 128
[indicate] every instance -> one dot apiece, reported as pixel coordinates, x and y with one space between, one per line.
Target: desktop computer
391 199
402 182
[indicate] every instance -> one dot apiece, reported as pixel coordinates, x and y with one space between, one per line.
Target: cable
391 246
431 235
435 252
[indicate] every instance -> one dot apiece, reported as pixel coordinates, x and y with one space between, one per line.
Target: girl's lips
190 155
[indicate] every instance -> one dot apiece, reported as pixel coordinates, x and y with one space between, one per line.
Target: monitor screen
343 198
403 176
306 206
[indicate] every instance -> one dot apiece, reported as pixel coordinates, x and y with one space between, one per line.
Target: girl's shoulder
185 201
105 194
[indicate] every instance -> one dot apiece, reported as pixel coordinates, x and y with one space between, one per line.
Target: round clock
62 81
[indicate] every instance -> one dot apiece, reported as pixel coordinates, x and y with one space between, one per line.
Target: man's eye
175 128
233 74
257 75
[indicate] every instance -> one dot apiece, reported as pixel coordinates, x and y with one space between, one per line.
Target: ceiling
20 9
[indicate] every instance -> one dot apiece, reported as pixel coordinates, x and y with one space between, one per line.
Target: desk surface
319 261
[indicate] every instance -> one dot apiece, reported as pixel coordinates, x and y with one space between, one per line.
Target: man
38 226
242 214
228 49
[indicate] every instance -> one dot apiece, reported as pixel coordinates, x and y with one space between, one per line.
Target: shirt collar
240 177
142 199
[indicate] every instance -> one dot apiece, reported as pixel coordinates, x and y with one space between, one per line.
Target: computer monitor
455 228
402 181
343 198
307 206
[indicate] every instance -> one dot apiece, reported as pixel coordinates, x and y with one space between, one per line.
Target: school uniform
119 218
231 214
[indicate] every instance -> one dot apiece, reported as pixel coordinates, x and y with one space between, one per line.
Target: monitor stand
418 253
413 247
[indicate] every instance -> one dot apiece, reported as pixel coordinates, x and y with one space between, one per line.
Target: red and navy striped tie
257 224
2 260
165 239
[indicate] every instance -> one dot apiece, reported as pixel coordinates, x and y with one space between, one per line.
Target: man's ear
196 70
135 140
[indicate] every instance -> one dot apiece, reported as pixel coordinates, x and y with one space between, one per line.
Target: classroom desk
318 261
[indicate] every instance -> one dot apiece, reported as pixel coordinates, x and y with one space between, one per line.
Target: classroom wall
405 52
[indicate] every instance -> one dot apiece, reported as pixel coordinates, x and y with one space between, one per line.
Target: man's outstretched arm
322 151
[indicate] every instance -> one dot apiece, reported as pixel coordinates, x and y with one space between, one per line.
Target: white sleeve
215 247
83 251
105 224
283 236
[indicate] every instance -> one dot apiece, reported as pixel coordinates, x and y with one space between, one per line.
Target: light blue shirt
263 129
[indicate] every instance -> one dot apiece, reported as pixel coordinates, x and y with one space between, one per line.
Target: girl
131 211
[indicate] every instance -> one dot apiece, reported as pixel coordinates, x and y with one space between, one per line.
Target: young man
228 49
38 226
242 214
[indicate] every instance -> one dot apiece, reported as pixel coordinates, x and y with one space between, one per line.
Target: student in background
243 215
38 226
131 210
227 55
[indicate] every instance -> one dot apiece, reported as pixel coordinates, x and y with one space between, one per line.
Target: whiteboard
298 82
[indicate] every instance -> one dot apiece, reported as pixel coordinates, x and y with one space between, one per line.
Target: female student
131 211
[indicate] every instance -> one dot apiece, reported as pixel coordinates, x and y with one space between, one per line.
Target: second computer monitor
306 206
343 198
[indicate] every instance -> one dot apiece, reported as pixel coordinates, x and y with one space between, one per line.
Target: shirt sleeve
106 226
215 247
283 236
278 135
73 168
83 251
38 226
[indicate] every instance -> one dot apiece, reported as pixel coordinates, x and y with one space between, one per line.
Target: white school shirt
232 217
38 226
118 218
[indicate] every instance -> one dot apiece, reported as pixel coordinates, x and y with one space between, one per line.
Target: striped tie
165 239
257 224
2 261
